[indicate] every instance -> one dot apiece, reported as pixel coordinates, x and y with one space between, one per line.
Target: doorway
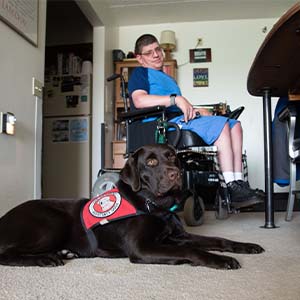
67 107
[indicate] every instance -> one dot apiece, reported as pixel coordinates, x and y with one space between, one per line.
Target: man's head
148 52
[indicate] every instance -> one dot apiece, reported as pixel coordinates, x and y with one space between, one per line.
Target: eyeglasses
157 50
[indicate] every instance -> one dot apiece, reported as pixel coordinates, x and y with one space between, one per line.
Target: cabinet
125 68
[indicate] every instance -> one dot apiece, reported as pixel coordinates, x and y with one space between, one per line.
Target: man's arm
142 99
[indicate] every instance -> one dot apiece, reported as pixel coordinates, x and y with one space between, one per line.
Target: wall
111 40
105 39
20 61
98 99
234 45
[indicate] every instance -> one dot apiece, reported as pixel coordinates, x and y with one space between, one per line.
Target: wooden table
275 72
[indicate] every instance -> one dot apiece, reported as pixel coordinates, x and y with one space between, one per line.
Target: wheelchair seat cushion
187 139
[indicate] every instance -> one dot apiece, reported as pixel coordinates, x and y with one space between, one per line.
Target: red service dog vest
107 207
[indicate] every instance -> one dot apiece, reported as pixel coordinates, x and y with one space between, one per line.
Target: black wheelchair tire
105 182
193 212
221 212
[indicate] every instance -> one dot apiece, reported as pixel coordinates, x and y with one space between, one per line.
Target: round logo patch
105 205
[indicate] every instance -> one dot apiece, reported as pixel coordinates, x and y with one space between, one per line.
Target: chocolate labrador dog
135 221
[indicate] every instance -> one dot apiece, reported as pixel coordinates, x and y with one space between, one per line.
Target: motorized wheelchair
202 177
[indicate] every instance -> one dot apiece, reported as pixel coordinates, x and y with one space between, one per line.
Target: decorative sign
200 55
200 77
22 16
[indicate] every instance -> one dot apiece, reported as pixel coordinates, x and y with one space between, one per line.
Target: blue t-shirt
154 82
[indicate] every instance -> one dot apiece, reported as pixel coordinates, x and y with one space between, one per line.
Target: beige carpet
273 275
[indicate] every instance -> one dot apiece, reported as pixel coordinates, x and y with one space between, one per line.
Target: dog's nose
173 174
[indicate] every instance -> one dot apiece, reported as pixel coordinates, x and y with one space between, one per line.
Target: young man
149 86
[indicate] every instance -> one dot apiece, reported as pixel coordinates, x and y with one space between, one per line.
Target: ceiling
136 12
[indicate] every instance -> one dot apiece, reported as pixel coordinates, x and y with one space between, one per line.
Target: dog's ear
129 174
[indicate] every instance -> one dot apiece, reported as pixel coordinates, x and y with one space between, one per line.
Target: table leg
268 151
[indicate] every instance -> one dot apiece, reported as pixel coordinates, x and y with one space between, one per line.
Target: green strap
160 132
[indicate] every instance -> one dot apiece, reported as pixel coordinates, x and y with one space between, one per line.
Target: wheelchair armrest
235 113
142 113
287 112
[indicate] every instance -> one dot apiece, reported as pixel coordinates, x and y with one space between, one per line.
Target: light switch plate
1 122
37 88
7 123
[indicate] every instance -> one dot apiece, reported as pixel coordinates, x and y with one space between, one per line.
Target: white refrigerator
66 158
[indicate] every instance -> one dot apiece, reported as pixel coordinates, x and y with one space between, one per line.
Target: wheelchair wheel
105 182
194 210
221 207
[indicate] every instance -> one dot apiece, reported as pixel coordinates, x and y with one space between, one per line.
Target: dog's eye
152 162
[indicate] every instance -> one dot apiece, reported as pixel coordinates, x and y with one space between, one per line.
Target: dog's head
154 168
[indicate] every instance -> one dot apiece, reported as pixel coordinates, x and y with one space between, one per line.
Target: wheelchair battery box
202 178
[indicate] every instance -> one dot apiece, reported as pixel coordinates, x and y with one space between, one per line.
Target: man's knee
237 128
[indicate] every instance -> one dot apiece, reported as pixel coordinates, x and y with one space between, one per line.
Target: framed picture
200 55
22 16
200 77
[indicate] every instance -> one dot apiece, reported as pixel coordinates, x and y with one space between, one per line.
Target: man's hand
189 111
186 108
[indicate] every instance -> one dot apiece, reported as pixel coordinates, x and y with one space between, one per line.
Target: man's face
151 56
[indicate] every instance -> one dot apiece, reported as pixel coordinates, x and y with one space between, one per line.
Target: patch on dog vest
107 207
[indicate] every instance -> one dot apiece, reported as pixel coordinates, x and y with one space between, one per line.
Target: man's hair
144 40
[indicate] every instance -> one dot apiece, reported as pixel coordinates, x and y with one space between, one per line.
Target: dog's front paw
254 248
218 262
228 263
49 260
67 254
247 248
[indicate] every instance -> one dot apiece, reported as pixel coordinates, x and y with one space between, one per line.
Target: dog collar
173 208
148 202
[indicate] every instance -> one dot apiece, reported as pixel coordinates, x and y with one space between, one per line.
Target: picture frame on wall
200 55
200 77
21 16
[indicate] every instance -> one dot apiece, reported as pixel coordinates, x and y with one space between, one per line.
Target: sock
238 176
228 176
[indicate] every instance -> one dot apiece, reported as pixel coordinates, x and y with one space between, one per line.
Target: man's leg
225 153
236 134
229 146
237 145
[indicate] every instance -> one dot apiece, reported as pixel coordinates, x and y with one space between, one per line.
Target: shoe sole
261 194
